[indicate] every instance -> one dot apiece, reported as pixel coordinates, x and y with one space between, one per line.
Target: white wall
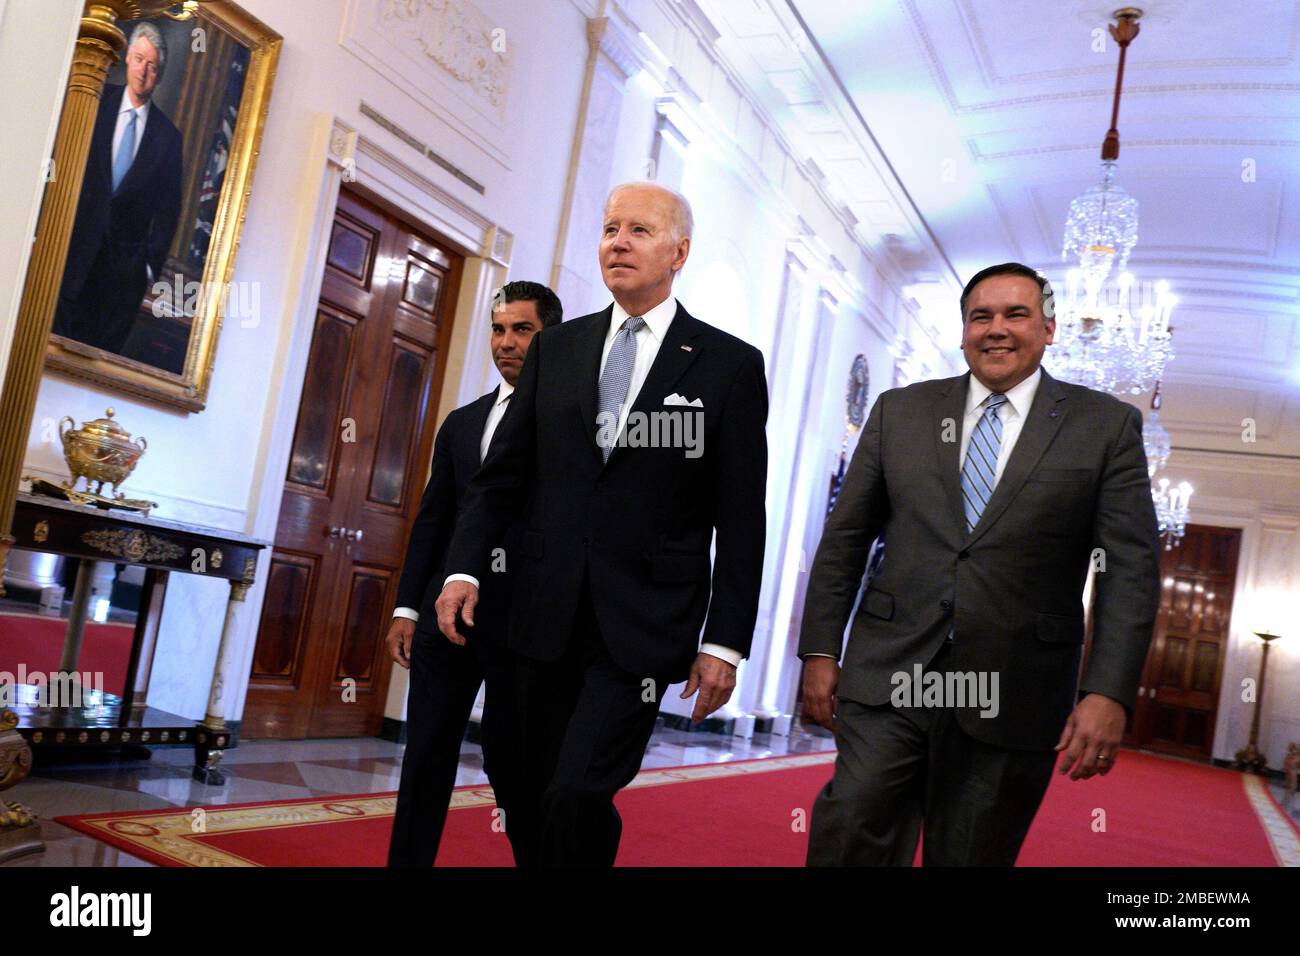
36 42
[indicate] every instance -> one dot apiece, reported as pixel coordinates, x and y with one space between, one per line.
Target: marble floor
286 770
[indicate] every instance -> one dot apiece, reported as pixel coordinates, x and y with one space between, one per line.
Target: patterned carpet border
1283 835
174 835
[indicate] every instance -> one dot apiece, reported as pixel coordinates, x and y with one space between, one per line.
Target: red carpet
37 642
1158 812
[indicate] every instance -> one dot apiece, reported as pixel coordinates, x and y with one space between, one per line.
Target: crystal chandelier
1101 230
1115 338
1172 504
1103 221
1171 510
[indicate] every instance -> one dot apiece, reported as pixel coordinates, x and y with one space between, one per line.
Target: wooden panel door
359 460
1179 694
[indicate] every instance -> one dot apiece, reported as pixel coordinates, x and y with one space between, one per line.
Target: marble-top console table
161 546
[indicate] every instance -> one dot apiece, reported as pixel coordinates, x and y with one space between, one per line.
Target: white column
575 274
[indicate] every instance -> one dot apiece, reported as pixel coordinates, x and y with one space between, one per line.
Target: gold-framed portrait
147 282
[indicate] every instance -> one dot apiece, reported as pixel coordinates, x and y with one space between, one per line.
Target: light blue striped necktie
982 461
125 152
616 378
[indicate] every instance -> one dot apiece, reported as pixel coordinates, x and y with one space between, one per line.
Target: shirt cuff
461 577
815 654
732 657
409 613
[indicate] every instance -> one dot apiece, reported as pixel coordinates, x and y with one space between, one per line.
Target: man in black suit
445 678
130 201
996 490
636 433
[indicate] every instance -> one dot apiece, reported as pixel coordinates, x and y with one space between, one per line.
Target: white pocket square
675 399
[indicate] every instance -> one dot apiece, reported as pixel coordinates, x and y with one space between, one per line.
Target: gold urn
100 451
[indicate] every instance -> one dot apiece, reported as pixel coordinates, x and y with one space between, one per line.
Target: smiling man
613 572
129 205
995 490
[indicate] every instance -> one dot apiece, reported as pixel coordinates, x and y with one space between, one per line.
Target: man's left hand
1091 737
715 679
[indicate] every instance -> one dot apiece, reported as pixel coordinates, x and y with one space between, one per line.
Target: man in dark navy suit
130 201
445 678
636 434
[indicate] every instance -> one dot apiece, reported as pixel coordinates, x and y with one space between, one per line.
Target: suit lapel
471 438
951 408
588 346
108 108
1041 425
669 365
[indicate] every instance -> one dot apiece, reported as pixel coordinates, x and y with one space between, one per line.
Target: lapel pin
1052 413
686 348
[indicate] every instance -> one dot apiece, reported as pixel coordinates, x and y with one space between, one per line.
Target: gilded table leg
212 735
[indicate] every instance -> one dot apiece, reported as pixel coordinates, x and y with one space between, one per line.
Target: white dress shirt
1012 413
125 113
495 414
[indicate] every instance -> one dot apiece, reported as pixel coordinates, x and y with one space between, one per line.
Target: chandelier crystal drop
1156 440
1101 230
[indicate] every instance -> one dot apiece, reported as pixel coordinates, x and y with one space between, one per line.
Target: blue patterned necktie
982 461
125 152
616 378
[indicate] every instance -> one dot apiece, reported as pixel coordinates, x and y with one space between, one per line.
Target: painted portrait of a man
129 205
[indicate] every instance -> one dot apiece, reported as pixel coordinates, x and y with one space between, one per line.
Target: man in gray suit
995 491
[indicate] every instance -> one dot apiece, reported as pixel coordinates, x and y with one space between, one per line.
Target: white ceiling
991 114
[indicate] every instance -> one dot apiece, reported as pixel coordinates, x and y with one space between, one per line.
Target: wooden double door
356 472
1178 698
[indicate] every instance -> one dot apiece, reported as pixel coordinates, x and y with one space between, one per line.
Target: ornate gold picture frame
147 282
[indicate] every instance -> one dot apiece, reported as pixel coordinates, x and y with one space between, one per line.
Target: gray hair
683 222
147 31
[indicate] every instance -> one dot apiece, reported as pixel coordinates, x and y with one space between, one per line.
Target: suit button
585 540
963 555
946 605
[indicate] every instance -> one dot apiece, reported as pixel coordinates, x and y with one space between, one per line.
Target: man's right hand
456 596
821 676
400 634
